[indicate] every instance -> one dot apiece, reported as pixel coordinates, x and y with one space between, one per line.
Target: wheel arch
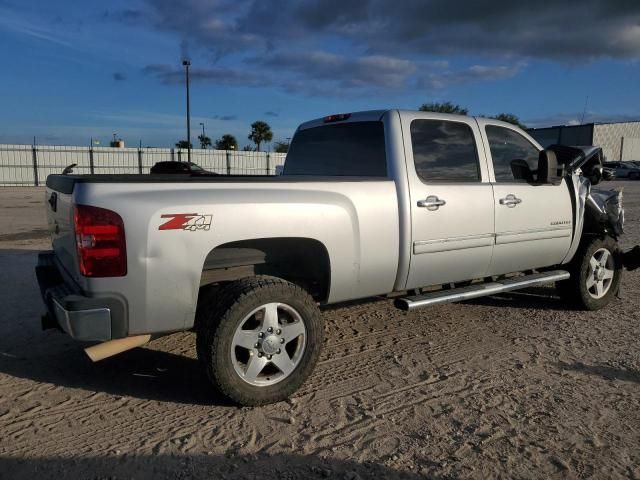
299 260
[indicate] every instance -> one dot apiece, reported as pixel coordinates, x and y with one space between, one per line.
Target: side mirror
521 171
548 168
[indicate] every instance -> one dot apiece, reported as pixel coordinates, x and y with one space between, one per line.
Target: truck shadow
174 466
604 371
539 298
141 373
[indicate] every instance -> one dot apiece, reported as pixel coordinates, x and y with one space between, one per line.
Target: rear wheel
259 339
596 272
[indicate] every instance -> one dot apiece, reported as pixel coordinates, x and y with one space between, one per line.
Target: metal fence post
35 166
179 155
228 155
91 165
140 161
268 164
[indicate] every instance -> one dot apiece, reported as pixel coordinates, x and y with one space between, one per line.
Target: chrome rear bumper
82 317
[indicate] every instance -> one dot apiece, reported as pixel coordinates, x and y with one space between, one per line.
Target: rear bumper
80 316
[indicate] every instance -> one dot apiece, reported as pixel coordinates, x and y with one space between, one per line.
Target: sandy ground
512 386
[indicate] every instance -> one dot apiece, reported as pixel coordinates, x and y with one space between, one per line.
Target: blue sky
75 70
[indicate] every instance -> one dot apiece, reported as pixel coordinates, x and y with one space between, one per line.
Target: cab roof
376 115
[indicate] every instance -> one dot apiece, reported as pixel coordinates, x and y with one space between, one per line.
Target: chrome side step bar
479 290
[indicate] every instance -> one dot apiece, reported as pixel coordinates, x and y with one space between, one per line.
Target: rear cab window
444 151
346 149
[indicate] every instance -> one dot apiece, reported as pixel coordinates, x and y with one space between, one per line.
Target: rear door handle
431 203
510 200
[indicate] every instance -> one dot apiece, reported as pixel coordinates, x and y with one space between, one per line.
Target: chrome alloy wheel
268 344
600 273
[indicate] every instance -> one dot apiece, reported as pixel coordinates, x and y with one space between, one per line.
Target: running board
479 290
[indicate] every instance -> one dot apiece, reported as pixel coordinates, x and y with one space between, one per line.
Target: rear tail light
100 242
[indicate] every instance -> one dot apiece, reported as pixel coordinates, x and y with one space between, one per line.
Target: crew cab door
451 199
533 222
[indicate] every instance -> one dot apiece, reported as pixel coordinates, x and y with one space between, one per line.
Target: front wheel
259 339
596 271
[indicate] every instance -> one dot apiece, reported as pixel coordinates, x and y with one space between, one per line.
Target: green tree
227 142
446 107
510 118
260 132
281 147
184 144
248 148
204 141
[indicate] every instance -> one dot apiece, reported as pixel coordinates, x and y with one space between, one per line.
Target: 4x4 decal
186 221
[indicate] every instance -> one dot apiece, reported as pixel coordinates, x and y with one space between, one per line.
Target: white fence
29 165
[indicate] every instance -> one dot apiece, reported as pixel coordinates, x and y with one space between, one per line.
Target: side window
444 151
509 150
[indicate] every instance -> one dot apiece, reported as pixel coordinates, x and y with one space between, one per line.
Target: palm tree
260 132
446 107
227 142
184 144
204 141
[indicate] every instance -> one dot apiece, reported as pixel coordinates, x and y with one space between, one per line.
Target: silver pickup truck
426 208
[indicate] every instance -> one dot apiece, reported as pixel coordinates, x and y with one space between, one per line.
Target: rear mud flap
631 258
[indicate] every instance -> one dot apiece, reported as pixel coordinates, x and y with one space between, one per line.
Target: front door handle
510 200
431 203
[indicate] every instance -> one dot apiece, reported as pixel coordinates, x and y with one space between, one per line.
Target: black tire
634 176
223 312
576 290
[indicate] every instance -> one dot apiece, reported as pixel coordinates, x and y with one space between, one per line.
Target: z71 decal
186 221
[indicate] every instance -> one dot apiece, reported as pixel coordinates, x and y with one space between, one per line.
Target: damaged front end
598 211
604 210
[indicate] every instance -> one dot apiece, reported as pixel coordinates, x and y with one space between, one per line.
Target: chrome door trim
533 234
453 243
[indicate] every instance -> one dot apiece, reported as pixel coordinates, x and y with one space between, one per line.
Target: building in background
619 141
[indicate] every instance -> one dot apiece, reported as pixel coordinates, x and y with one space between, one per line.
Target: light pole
186 64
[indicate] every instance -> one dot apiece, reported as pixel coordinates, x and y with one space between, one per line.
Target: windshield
347 149
196 168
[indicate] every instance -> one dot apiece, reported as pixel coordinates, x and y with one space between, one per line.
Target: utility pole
186 64
584 111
